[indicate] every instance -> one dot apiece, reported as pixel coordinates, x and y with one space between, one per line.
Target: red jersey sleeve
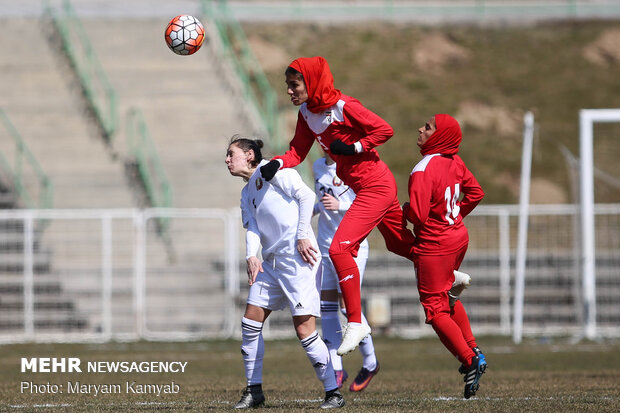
420 192
300 145
473 193
375 130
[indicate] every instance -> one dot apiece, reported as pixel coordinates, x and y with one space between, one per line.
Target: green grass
540 68
416 375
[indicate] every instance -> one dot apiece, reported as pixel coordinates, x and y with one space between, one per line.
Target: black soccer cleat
333 400
472 376
252 397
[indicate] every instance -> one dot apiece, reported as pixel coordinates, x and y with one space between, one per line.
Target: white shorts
329 276
287 280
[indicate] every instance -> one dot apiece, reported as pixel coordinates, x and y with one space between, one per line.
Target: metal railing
114 283
98 90
256 87
150 170
140 147
102 98
102 275
36 195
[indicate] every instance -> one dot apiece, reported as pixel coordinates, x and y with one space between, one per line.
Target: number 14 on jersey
452 207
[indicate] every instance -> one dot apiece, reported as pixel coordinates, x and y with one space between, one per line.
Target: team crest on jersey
328 116
259 183
336 181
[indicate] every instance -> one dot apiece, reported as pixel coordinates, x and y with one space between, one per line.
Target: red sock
451 337
459 315
349 280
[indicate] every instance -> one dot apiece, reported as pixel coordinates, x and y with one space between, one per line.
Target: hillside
487 77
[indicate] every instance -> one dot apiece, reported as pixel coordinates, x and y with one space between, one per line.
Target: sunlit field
550 375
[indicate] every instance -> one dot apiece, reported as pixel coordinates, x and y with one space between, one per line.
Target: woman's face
237 161
296 89
426 131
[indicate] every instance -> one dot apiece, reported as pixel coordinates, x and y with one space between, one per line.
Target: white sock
367 348
252 350
317 353
332 334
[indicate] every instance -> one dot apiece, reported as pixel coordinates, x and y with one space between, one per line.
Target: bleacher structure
148 244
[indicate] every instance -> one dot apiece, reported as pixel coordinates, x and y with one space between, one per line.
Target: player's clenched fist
269 170
338 147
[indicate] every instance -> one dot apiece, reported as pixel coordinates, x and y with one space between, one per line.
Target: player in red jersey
437 211
349 133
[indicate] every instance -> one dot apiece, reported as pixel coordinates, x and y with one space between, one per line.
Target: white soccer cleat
352 335
461 282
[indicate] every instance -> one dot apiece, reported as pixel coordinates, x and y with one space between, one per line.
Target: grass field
415 376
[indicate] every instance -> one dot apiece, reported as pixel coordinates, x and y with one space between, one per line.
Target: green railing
98 91
141 148
256 86
26 177
151 172
102 98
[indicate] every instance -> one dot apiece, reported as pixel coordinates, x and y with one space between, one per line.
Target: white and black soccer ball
184 34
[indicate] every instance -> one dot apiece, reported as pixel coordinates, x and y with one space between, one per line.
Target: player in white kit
334 199
277 216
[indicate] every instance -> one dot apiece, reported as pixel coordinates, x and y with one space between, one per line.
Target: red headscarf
446 138
319 82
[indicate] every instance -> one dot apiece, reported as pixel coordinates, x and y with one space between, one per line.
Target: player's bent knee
336 249
256 313
304 325
434 308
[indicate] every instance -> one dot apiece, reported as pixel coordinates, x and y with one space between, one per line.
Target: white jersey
326 182
276 213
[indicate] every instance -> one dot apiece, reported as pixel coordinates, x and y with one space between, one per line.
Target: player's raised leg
364 214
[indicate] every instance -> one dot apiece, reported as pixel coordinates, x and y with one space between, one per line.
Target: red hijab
446 138
319 82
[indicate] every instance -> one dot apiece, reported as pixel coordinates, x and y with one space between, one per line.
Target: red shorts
375 205
435 274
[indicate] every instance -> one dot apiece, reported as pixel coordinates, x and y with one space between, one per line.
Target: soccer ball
184 34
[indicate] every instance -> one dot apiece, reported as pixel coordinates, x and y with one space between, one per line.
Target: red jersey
435 187
349 121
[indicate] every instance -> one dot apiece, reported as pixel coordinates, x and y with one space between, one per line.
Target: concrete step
14 261
47 109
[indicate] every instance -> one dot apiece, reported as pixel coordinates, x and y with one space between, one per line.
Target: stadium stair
191 109
54 309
